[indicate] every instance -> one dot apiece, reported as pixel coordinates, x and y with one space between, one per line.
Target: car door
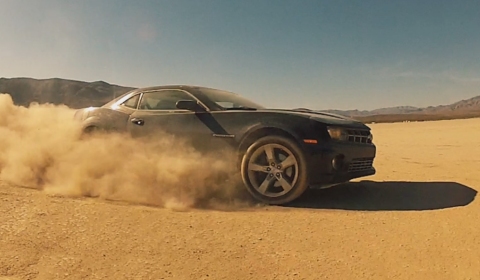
157 114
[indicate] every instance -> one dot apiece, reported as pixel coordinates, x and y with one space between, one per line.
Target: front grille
359 136
360 164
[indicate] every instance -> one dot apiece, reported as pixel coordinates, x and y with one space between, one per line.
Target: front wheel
274 170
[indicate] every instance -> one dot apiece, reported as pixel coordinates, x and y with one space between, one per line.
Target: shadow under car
388 196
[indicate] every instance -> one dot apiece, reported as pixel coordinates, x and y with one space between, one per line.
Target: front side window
163 99
132 102
229 100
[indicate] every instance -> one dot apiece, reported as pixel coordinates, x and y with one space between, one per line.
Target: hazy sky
318 54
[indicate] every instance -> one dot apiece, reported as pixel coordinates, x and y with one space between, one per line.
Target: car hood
327 118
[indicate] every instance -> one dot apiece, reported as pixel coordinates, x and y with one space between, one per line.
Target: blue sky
317 54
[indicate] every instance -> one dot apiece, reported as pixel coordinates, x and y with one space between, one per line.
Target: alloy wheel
273 170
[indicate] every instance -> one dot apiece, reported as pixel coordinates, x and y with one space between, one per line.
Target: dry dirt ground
418 218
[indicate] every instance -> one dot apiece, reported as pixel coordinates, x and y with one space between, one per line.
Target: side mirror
190 105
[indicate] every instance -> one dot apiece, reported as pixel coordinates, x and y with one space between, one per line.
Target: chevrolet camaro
281 153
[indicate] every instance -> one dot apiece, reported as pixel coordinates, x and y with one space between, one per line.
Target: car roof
185 87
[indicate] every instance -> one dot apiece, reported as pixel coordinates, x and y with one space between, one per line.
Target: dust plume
41 147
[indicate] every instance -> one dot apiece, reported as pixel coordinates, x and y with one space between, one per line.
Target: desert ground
417 218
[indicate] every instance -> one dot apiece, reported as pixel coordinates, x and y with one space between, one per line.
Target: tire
91 131
266 179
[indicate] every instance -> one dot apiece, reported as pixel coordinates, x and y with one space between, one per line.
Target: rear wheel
90 131
274 170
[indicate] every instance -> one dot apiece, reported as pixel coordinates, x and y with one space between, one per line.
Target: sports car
281 152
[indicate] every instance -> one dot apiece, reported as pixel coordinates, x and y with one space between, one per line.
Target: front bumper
335 162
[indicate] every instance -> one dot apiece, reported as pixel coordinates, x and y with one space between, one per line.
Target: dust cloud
42 147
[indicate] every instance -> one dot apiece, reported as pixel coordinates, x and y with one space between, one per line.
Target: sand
417 218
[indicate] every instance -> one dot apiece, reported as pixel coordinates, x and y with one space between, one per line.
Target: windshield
229 100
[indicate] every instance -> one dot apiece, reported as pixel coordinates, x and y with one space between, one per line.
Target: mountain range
79 94
469 108
468 105
74 94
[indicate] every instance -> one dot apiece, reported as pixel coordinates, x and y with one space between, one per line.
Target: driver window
226 104
163 100
131 102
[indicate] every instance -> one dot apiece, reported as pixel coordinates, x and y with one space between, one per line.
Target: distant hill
381 111
472 104
463 106
469 108
74 94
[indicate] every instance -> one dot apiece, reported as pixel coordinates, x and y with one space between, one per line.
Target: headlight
338 134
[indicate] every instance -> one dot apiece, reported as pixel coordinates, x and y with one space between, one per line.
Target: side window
132 102
163 99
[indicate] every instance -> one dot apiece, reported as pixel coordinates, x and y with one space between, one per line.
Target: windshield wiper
241 108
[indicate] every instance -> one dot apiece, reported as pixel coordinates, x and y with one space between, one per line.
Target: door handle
137 121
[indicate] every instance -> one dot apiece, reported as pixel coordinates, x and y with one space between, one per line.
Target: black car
281 152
